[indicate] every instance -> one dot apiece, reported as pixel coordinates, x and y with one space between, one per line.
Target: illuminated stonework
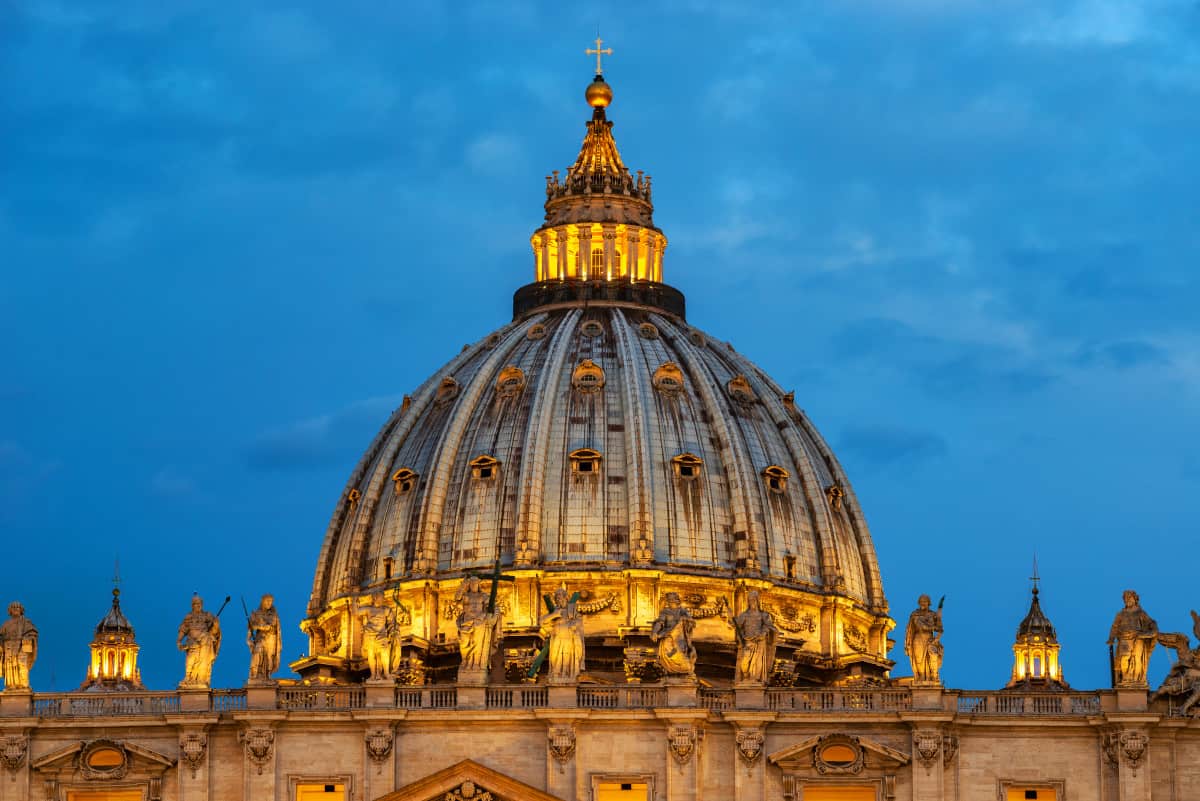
114 653
1036 651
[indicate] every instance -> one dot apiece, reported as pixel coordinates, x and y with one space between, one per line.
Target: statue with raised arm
672 631
378 625
922 642
263 637
18 637
1133 634
756 633
566 638
200 639
478 629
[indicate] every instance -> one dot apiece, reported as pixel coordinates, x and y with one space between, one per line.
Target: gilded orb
599 93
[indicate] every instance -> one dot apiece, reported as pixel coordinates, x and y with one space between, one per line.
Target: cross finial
1034 578
597 53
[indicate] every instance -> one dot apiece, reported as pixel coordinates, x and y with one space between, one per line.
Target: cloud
885 445
1122 355
320 441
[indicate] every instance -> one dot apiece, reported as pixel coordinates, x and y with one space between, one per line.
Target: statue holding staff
200 639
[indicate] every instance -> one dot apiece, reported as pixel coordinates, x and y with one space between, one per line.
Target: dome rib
639 497
734 456
532 484
436 495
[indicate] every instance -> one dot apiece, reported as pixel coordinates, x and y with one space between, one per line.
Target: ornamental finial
597 53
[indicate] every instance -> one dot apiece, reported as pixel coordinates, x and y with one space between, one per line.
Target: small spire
1034 578
116 581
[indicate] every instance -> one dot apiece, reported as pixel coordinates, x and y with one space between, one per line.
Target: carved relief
790 619
839 754
682 740
468 791
259 743
13 750
379 746
949 747
855 638
193 746
750 745
562 742
1133 746
927 745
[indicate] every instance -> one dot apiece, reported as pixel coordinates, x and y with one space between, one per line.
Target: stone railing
838 701
713 698
638 696
321 697
1029 705
94 705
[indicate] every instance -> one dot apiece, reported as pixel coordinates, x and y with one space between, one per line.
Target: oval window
105 759
838 755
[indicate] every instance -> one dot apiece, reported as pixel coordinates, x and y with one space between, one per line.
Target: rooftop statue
1183 680
756 634
379 624
673 633
922 641
264 640
566 637
19 638
200 639
478 628
1134 634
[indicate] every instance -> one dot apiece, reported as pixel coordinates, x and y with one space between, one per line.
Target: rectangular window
312 791
104 795
842 793
1031 794
622 791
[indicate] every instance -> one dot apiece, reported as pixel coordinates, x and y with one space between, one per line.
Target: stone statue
378 627
1134 634
756 633
19 639
566 638
478 629
1183 680
263 637
200 638
673 633
922 642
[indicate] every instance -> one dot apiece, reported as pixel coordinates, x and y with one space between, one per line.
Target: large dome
601 442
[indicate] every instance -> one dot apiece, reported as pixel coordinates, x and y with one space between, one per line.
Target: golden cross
597 53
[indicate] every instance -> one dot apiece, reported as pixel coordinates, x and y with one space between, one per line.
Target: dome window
484 468
834 494
776 478
492 341
511 382
352 498
536 332
696 338
404 481
687 466
585 462
668 378
591 328
447 390
588 377
740 390
648 331
597 261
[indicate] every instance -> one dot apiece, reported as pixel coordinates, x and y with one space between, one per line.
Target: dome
601 442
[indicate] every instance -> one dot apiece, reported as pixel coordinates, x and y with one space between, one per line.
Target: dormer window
510 382
585 461
776 478
588 377
404 480
537 331
352 497
591 328
648 331
740 390
687 466
447 390
485 468
668 378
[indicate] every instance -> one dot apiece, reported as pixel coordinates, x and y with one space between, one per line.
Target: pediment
468 781
810 754
102 759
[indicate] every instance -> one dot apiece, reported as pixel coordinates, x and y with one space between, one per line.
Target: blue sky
964 232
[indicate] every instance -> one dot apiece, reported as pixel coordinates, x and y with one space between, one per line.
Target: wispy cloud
320 441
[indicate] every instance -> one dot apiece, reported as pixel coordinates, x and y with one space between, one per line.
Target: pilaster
684 736
748 760
195 767
14 758
259 766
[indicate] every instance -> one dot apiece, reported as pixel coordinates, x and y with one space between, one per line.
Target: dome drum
549 295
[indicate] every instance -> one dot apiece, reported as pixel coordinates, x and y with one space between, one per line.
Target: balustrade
1029 705
839 701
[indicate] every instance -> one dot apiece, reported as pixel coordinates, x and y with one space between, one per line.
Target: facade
599 556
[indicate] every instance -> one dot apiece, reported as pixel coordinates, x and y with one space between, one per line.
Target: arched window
484 468
404 480
585 461
597 261
776 478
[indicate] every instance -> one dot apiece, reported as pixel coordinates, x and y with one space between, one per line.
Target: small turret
1036 650
114 653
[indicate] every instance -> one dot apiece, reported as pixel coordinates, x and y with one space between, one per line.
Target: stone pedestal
472 697
1132 699
562 697
195 699
681 691
472 678
260 695
750 697
926 696
380 693
16 703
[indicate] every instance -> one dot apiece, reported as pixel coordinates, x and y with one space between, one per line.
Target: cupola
114 653
1036 650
